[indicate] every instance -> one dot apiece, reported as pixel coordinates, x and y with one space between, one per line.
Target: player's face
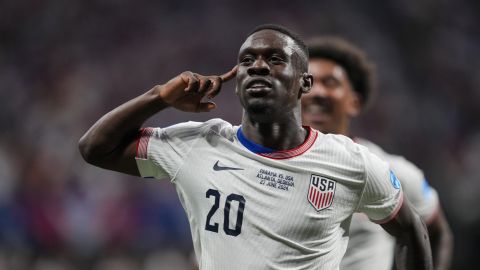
268 80
331 101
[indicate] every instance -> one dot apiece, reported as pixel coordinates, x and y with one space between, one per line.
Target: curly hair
354 61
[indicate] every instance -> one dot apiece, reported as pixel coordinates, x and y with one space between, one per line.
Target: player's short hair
298 40
359 69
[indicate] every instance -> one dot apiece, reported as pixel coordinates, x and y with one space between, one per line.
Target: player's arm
425 200
441 241
413 246
111 142
385 202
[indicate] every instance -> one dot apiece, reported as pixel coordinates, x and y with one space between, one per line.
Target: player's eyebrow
266 51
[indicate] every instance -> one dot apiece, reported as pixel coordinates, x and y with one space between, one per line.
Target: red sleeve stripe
393 214
142 142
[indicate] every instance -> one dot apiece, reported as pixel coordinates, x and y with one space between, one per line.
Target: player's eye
247 59
275 59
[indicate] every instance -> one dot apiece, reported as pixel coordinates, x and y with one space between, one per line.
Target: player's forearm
413 247
441 240
412 250
120 126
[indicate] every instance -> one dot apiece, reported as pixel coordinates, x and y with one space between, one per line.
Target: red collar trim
284 154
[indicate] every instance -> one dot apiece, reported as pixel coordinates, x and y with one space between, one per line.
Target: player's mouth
258 87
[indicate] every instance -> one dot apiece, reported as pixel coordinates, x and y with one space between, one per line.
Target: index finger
229 75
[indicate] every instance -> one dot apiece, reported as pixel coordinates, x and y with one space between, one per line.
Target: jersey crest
321 192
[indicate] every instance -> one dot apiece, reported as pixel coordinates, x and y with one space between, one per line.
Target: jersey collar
283 154
254 147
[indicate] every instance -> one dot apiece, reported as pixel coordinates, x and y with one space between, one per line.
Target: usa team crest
321 192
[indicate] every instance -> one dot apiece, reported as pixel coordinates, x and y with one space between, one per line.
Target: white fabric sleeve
161 151
422 196
382 195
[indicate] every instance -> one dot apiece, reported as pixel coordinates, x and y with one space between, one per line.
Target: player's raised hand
218 80
186 91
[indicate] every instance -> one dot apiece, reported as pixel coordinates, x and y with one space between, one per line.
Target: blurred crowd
63 64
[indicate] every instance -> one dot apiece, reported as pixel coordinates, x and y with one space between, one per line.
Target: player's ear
306 82
354 104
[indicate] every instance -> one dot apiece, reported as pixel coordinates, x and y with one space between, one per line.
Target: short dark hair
298 40
359 69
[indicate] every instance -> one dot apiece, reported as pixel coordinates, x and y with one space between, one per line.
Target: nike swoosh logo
217 167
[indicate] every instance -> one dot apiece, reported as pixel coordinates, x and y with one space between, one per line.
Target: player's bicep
412 241
402 221
122 159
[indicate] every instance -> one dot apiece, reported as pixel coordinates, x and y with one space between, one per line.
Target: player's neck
278 135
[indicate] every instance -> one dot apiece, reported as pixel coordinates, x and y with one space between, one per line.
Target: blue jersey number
226 213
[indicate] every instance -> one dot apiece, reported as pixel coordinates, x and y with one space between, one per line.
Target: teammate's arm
441 240
111 142
412 245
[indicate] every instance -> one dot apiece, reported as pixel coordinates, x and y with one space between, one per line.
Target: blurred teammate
342 87
269 194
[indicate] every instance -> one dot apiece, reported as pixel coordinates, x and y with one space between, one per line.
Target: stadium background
63 64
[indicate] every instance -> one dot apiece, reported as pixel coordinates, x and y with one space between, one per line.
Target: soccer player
269 194
342 87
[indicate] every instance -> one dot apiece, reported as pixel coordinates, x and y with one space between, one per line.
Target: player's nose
259 67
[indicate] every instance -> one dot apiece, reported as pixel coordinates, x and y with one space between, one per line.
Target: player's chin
258 109
261 110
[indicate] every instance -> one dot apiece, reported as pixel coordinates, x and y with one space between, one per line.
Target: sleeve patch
426 190
394 180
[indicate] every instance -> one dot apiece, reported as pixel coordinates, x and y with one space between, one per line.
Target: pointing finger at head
229 75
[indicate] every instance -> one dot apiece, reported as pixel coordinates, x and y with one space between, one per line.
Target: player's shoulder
353 155
423 197
195 129
342 144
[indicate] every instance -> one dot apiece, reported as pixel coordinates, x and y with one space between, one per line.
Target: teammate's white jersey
282 210
370 247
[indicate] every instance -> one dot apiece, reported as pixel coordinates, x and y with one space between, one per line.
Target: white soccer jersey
283 210
370 247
